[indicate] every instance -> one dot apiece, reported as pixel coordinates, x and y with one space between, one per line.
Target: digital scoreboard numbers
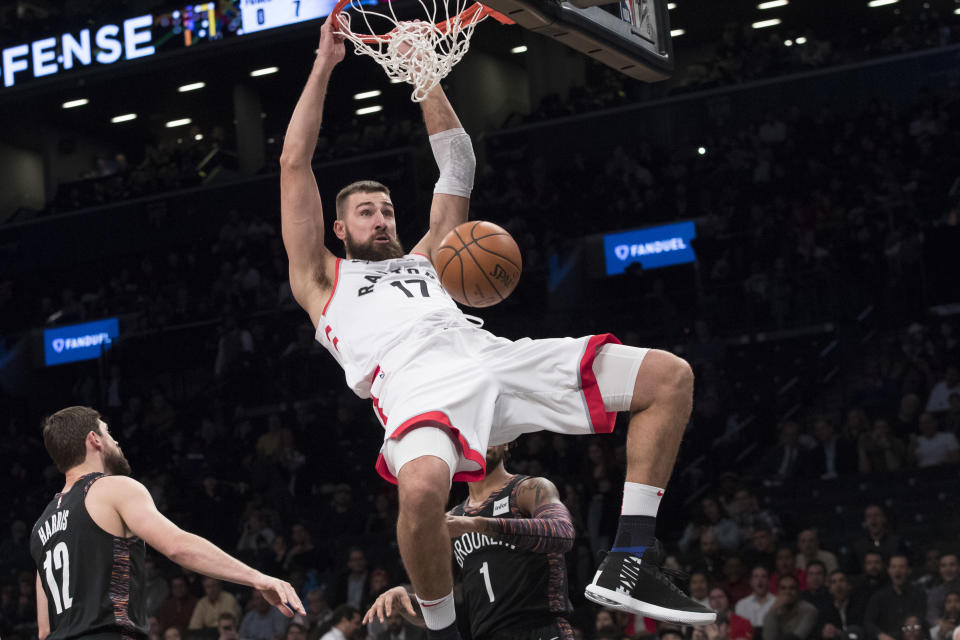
259 15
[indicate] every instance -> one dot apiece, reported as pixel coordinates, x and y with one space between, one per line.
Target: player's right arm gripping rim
136 508
453 152
311 264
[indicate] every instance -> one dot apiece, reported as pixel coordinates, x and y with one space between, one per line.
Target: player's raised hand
281 595
386 602
331 49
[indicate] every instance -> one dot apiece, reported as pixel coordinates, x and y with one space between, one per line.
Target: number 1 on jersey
59 558
485 570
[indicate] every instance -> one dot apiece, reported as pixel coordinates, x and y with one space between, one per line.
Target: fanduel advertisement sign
79 341
652 247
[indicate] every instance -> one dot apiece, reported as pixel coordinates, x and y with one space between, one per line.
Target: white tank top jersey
375 306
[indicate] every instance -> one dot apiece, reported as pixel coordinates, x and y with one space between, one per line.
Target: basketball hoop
418 52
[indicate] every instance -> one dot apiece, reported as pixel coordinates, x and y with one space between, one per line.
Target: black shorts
556 629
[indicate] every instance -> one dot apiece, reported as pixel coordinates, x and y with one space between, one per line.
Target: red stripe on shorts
428 419
602 421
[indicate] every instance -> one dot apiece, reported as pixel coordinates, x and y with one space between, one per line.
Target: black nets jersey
506 588
93 580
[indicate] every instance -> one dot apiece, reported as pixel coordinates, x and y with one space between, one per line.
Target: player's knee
424 485
682 376
663 377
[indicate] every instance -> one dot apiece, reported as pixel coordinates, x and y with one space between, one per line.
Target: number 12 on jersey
59 559
485 570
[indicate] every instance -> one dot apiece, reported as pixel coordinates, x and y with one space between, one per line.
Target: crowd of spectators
740 54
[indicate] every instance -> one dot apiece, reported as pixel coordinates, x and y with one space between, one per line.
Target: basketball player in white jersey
444 389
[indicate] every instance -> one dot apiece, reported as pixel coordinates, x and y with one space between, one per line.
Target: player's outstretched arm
301 211
43 614
135 506
548 529
395 599
453 151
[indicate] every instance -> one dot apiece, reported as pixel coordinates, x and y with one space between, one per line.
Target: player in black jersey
89 542
509 537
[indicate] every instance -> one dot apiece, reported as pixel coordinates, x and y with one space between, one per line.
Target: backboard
632 36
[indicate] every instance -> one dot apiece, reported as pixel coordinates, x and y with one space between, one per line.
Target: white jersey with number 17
376 306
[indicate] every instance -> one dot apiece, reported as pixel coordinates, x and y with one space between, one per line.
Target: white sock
640 499
438 614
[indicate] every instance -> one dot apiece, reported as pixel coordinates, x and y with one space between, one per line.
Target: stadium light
766 23
367 94
773 4
126 117
677 32
880 3
802 40
671 6
366 110
702 151
70 104
521 49
256 73
178 123
191 87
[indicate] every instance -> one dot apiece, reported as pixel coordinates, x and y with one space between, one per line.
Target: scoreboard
269 14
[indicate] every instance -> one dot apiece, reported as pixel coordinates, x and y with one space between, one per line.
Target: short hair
343 612
65 434
360 186
226 615
872 552
898 555
837 571
704 573
818 563
295 623
787 576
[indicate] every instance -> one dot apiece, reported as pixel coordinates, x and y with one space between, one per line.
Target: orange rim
471 15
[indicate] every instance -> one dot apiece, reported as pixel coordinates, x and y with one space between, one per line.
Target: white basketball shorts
484 390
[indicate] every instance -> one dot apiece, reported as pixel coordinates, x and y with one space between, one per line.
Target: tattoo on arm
550 530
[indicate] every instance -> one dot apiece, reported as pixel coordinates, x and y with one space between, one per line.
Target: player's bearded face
379 246
495 456
114 462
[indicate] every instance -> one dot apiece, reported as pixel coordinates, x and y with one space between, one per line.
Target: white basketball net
420 53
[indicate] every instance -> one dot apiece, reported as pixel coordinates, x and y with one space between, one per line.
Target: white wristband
453 151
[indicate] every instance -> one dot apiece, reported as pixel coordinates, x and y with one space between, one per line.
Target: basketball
479 263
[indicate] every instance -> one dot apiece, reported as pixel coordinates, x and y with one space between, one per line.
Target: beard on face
115 464
495 456
370 250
